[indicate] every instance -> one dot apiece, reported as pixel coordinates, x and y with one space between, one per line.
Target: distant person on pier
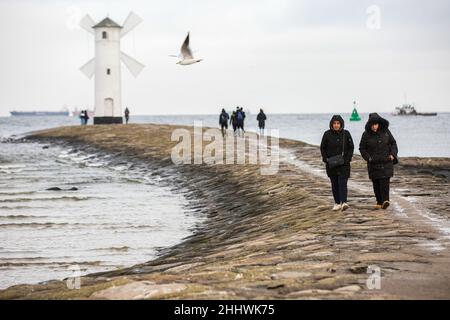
127 115
379 148
240 117
86 117
337 152
233 121
261 118
223 121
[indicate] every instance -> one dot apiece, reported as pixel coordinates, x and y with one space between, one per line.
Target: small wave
96 164
74 198
16 193
117 249
21 208
57 264
19 217
120 168
11 171
25 258
130 226
43 225
133 180
33 225
12 166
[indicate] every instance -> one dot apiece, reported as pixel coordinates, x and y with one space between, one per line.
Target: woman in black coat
336 141
261 118
379 148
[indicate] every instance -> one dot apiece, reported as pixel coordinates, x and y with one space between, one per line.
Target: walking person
223 121
127 115
86 117
337 152
233 121
379 148
81 116
261 118
240 117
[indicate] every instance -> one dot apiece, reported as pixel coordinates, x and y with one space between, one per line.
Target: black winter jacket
331 145
376 147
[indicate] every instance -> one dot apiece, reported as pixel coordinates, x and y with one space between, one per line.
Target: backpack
223 118
240 116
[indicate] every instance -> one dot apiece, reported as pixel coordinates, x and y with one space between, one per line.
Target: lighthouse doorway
109 107
108 116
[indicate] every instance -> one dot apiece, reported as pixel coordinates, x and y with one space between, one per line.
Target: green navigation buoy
355 116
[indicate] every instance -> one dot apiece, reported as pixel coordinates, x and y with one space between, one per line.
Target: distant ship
63 113
40 113
409 110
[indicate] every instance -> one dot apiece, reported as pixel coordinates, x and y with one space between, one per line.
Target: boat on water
39 113
64 112
409 110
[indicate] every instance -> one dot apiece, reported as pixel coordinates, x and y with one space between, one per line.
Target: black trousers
381 189
339 188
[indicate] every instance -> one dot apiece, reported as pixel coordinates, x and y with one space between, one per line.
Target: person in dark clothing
240 117
243 121
86 117
261 118
127 115
338 141
223 121
81 116
233 121
379 148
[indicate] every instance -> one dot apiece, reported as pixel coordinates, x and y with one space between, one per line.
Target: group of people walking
378 148
84 117
237 120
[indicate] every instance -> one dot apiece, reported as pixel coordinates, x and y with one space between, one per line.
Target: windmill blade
87 23
89 68
132 64
130 23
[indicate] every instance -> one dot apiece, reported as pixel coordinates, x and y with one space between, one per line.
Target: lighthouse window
108 71
105 35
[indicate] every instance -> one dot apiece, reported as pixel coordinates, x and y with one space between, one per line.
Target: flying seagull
186 55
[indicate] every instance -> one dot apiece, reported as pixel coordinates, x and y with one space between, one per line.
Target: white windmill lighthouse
106 65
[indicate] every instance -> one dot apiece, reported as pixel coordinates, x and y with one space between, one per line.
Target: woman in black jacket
337 141
261 118
379 148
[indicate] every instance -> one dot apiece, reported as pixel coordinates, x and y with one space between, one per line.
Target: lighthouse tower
106 66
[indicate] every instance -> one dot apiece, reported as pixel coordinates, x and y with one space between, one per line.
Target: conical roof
107 23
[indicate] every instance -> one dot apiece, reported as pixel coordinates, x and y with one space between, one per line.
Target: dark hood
376 118
337 118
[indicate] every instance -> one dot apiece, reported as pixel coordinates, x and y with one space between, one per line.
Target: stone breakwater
274 236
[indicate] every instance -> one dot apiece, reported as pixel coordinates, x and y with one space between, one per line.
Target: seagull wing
186 50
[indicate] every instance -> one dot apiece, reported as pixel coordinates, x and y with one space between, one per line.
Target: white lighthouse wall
107 86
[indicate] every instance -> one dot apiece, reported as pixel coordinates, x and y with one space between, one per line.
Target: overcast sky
287 56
